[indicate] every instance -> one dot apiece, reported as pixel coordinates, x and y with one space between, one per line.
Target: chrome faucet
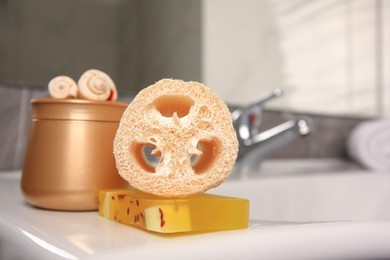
255 145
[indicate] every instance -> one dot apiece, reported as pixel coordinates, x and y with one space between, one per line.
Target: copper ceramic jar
69 154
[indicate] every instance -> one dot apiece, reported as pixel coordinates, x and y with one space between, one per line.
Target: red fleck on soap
201 213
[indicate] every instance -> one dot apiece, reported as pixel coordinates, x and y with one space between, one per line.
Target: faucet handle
277 92
255 107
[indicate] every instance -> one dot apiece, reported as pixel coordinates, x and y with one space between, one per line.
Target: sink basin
332 215
326 197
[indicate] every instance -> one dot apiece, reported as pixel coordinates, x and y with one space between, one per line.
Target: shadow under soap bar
205 212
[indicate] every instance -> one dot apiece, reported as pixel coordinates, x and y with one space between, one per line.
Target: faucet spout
239 112
254 145
254 150
293 128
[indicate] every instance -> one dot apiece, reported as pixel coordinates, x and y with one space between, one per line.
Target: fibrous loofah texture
188 128
62 87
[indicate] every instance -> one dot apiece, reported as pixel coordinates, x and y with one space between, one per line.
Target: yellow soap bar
201 213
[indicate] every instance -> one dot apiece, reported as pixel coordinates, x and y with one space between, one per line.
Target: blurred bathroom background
328 56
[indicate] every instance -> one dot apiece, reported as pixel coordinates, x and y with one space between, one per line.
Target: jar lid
77 109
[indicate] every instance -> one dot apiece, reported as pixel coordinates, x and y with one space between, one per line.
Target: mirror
324 54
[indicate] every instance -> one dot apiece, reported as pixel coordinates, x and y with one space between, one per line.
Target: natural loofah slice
62 87
189 132
97 85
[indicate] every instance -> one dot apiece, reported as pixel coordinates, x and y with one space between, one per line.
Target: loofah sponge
187 128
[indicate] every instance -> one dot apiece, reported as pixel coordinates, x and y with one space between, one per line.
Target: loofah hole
169 105
205 125
145 158
210 149
205 112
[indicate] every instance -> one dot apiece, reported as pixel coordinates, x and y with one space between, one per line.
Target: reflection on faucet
256 145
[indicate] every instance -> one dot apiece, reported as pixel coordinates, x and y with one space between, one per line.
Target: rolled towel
96 85
62 87
369 144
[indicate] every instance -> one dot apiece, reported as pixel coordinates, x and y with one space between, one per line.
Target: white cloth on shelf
369 144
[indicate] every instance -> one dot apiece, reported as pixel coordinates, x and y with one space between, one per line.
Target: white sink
337 215
336 196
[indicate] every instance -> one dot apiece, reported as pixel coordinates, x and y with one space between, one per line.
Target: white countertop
30 233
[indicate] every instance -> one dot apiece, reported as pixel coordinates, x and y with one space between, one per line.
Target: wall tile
9 115
27 94
15 115
327 139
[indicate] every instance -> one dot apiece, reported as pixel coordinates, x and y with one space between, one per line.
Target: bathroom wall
136 42
336 79
44 37
168 41
329 56
385 17
15 115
